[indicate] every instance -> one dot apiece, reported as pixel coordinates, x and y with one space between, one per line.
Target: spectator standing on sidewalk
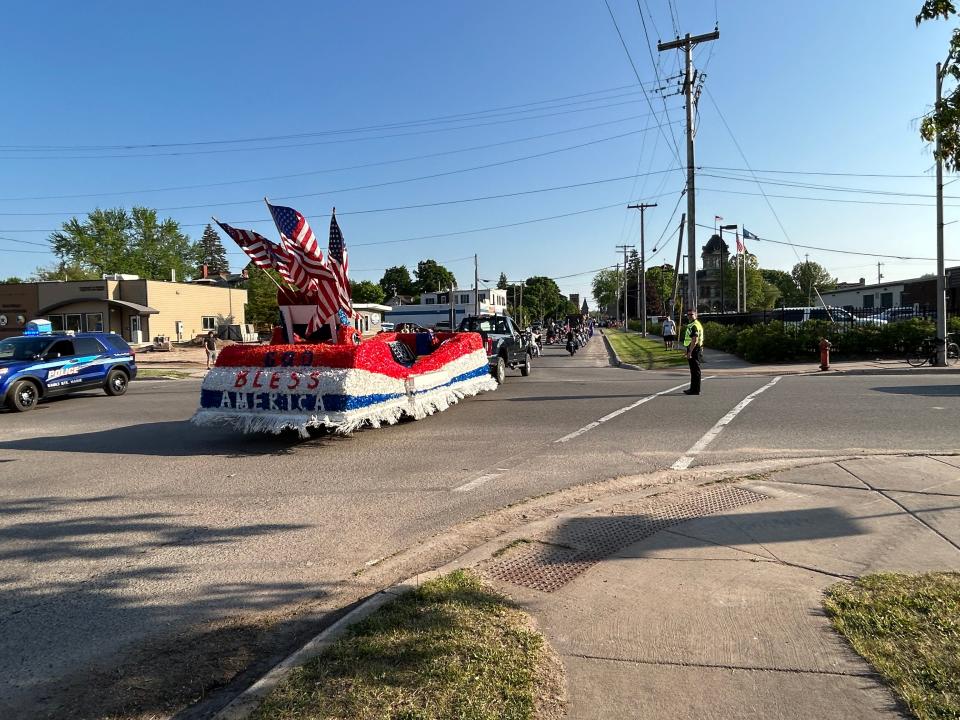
693 343
669 331
210 345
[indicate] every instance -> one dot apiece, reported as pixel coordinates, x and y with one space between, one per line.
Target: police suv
45 364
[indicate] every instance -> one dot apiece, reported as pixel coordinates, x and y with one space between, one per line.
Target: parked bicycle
927 352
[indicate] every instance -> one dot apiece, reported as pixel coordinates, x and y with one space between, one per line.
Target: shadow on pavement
140 639
927 390
170 439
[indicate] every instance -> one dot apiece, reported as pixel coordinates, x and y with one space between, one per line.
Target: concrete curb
250 699
615 360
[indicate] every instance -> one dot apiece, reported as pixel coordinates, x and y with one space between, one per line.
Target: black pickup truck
503 341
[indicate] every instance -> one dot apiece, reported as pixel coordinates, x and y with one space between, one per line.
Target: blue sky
813 87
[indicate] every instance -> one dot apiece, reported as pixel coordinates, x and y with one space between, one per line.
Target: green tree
604 288
210 252
659 289
945 119
366 291
397 281
502 283
786 285
12 280
433 277
542 299
64 271
811 278
115 241
261 307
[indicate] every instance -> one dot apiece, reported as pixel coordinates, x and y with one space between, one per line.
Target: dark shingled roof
713 246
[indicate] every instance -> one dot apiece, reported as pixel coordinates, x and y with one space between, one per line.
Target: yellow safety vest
686 334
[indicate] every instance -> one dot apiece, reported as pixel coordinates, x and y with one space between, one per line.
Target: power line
829 188
369 186
840 252
635 72
329 170
339 131
813 172
765 194
319 142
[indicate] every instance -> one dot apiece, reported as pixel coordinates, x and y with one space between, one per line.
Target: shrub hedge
774 341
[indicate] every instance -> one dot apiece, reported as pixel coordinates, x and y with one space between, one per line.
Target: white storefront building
434 307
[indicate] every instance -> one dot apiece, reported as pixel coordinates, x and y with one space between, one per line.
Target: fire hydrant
824 354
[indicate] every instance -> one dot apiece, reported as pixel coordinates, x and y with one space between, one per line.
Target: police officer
693 344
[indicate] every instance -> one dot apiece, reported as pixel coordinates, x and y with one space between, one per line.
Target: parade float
317 371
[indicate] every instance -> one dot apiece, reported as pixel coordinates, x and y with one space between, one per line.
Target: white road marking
616 413
684 462
474 484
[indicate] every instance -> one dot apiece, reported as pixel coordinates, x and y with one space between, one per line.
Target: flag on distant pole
741 248
716 221
747 235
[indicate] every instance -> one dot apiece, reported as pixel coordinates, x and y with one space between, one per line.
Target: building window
94 322
464 299
430 301
74 322
56 322
868 301
886 300
483 297
209 322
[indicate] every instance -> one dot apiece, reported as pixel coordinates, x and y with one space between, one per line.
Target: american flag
262 253
294 227
339 264
741 248
312 274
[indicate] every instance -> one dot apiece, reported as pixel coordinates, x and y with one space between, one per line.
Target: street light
723 301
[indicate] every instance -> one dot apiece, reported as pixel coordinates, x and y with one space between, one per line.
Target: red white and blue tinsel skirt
275 387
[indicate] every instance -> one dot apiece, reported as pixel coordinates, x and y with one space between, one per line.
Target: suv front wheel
23 396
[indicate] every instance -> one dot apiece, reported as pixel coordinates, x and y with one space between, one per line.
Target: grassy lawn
157 373
450 649
908 627
637 350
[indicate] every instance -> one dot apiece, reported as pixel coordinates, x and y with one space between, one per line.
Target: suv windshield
22 348
492 325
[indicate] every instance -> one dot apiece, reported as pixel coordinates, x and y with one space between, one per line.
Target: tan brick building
138 310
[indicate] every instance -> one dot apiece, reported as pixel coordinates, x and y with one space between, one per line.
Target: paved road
121 524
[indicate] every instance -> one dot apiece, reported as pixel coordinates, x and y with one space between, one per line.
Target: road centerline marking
708 437
477 482
616 413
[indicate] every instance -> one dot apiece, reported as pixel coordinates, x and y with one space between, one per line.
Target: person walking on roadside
669 331
693 344
210 345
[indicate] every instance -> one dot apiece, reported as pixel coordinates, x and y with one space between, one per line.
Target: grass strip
637 350
908 628
450 649
165 374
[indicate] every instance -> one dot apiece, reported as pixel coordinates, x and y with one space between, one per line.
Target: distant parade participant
210 345
669 331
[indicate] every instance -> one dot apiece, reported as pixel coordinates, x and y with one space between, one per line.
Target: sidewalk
707 602
720 363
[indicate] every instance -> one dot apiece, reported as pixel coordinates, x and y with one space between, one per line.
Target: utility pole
642 300
626 294
941 323
616 300
879 275
809 279
688 43
476 286
676 268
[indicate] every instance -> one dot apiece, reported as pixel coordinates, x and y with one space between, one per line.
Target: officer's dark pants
694 361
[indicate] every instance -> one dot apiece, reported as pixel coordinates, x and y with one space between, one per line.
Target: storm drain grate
583 542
